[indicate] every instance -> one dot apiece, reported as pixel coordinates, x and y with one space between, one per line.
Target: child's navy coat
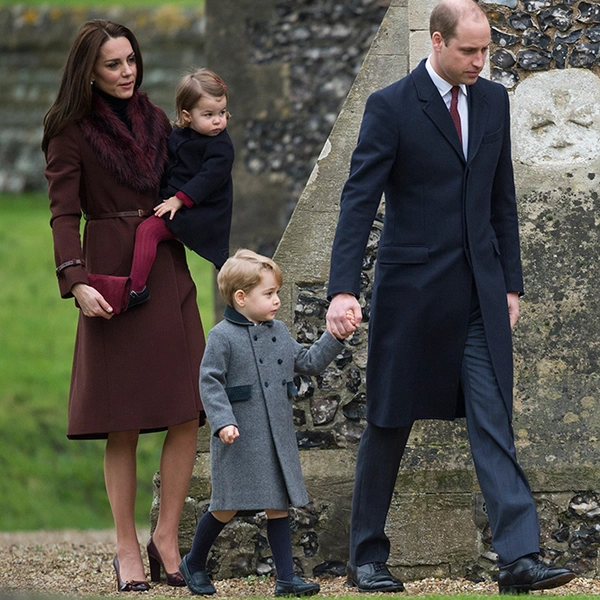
200 166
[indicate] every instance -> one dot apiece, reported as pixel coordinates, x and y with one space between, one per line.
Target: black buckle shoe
140 297
296 587
373 577
530 573
198 582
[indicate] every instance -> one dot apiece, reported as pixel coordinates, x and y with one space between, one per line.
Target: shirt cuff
187 201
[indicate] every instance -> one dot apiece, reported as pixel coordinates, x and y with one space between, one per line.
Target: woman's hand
170 205
91 301
228 434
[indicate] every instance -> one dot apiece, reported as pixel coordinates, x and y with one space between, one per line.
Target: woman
135 372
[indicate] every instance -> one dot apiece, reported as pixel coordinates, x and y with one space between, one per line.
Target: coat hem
104 435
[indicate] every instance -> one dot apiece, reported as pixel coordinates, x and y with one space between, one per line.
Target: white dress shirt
445 90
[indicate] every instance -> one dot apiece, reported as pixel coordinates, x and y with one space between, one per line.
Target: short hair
244 271
448 13
201 82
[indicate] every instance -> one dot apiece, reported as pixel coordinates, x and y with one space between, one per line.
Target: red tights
147 237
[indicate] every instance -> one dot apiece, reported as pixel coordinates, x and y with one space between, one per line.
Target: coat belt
115 215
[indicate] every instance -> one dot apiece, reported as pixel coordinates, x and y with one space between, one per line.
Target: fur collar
137 160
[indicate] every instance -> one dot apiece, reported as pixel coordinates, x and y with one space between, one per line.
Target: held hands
170 205
91 301
228 434
344 315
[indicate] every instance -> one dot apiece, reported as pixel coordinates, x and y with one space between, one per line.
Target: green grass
48 481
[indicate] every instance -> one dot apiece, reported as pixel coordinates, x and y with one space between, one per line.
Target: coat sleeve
370 167
314 360
504 217
214 172
63 172
213 382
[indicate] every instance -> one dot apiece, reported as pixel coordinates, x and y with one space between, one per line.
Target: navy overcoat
200 166
450 223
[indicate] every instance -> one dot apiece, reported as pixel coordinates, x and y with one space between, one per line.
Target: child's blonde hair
243 271
192 87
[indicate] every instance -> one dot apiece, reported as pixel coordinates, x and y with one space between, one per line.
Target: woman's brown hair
74 98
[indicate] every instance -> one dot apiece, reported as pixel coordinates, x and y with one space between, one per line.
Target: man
446 291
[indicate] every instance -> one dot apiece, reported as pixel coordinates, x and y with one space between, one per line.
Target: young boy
246 385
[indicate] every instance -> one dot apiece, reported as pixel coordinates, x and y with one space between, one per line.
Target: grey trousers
510 506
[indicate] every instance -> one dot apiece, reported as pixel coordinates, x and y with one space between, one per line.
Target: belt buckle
140 213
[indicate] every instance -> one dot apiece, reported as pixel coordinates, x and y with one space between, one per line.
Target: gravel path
79 563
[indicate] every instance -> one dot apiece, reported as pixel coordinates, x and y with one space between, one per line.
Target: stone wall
437 523
329 409
34 42
289 64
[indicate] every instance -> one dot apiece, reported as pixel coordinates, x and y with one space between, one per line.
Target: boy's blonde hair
192 87
243 271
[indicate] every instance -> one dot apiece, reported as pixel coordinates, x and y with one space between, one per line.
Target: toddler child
197 189
246 385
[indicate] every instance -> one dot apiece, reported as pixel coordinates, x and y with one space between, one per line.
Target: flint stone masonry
437 522
290 68
542 35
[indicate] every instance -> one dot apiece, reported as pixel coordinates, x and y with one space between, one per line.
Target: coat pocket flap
239 393
492 137
403 254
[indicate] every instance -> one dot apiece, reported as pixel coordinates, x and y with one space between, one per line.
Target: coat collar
478 116
435 108
233 316
136 158
184 134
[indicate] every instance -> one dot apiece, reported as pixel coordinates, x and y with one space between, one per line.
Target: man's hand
170 205
344 315
91 301
228 434
513 308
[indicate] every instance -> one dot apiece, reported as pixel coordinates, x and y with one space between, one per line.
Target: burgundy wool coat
138 370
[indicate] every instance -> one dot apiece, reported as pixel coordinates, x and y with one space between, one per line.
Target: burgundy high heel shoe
156 563
129 586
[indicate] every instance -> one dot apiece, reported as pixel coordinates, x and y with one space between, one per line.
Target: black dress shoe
140 297
198 582
373 577
296 587
530 573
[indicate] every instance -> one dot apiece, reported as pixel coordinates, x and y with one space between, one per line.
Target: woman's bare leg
176 464
121 485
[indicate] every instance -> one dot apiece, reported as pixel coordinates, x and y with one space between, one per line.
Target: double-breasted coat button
279 361
283 382
261 361
255 337
274 338
266 384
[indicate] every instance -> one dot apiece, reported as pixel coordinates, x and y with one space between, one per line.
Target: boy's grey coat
246 380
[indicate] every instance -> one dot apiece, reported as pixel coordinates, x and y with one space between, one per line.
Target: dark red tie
454 111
